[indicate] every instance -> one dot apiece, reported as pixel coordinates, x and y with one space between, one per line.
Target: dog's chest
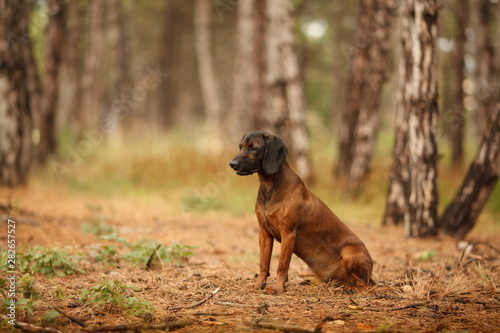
268 221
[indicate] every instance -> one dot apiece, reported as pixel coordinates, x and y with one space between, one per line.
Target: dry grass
425 284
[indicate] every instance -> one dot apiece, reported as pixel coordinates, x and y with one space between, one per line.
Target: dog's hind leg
358 267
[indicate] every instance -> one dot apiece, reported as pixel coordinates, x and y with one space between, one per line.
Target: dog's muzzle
236 167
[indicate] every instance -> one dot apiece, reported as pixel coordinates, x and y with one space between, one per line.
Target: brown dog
288 212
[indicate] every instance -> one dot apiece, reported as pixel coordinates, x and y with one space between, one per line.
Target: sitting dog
288 212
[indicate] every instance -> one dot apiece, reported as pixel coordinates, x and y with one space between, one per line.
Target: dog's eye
252 148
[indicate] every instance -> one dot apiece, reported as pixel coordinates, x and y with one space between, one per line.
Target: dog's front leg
266 249
287 245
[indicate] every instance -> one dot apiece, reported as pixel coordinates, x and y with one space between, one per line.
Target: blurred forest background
131 97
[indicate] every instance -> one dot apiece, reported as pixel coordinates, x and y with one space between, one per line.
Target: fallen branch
73 319
259 323
198 303
25 327
172 325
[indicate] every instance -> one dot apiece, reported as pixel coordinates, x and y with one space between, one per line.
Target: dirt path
423 284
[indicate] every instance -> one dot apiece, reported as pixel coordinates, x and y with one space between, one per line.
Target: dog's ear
274 155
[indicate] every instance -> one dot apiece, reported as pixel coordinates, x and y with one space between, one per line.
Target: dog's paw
258 286
271 291
349 290
274 291
354 289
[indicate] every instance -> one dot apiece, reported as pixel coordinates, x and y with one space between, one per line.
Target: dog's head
259 151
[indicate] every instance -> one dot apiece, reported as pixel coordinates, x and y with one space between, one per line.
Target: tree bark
208 81
366 78
485 87
169 61
414 174
55 40
461 214
260 60
92 76
119 69
285 110
245 73
70 91
457 125
16 112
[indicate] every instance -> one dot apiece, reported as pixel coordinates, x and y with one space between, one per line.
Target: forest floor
423 285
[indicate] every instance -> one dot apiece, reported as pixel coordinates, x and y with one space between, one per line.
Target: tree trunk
169 62
55 40
245 73
461 214
92 76
399 175
16 112
260 61
485 75
366 78
119 73
208 82
70 90
457 124
414 174
285 101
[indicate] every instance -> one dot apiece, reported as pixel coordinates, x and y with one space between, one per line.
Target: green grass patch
145 252
108 293
46 261
142 251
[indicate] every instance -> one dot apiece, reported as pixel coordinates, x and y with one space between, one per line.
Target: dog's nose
234 164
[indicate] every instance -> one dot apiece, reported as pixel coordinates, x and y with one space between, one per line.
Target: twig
198 303
478 243
73 319
212 314
262 308
259 323
212 323
377 296
150 260
217 301
341 315
465 301
397 308
171 325
25 327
